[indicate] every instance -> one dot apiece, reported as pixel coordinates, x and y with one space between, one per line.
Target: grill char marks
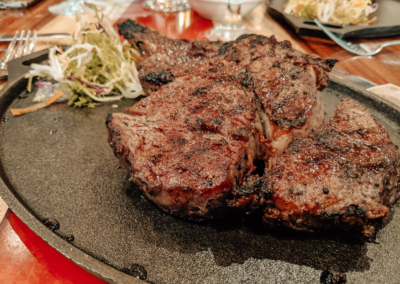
179 55
215 109
200 104
189 144
129 29
185 173
162 53
235 91
284 82
212 91
344 175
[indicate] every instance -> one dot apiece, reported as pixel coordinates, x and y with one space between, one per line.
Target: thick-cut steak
343 175
214 110
284 82
189 144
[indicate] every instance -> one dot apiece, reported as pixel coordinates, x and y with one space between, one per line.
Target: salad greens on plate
96 67
336 12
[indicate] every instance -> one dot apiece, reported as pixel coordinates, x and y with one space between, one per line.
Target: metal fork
364 49
29 45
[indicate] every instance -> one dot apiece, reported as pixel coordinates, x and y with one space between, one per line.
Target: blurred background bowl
215 9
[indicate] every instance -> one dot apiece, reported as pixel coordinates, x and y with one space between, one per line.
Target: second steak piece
344 175
189 144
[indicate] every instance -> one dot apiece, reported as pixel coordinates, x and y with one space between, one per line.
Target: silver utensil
39 36
364 49
28 47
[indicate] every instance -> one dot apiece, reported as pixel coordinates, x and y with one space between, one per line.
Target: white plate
215 9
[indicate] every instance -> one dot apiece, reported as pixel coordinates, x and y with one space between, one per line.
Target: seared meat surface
343 175
283 82
189 144
215 109
184 173
203 105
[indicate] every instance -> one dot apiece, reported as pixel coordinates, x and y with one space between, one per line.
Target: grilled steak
343 175
285 82
214 110
189 144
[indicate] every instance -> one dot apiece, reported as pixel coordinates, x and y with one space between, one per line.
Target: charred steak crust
214 109
184 173
283 82
180 55
217 121
158 78
343 175
129 28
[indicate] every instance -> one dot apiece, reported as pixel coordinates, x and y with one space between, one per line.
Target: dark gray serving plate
73 176
387 24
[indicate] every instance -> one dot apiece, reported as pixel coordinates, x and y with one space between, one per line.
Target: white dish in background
215 9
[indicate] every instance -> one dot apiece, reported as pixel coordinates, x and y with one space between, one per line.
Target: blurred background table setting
25 257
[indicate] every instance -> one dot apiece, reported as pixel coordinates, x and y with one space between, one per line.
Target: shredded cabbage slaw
97 66
336 12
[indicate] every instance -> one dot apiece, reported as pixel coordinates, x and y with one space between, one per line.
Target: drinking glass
70 7
166 5
232 25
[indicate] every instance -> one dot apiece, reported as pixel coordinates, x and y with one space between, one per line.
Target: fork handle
389 43
386 43
378 46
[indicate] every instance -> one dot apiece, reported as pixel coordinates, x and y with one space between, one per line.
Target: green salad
97 66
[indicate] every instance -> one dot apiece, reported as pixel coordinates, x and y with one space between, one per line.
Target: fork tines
29 45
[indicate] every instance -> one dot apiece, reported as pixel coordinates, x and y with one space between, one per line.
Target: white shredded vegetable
336 12
97 66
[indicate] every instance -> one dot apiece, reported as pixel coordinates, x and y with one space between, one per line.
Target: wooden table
24 257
